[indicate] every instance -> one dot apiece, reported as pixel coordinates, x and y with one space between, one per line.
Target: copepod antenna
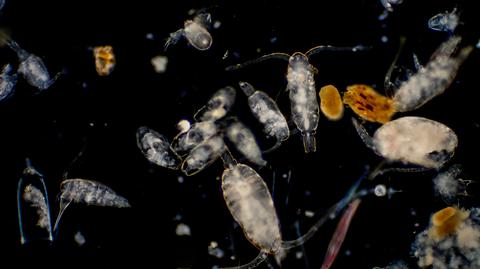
387 84
262 256
275 55
329 48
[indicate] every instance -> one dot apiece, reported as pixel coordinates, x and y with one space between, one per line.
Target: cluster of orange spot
104 60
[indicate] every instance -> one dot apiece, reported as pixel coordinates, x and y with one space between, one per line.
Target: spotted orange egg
369 104
331 102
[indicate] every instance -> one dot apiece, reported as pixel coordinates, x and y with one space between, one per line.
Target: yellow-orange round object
331 102
446 222
369 104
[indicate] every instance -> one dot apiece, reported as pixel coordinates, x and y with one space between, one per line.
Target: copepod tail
247 88
309 142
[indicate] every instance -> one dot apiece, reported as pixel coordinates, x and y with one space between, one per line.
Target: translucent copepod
32 200
304 107
198 133
331 103
412 140
266 111
444 22
203 155
156 148
88 192
217 106
7 82
244 141
369 104
104 60
195 31
434 78
32 68
250 203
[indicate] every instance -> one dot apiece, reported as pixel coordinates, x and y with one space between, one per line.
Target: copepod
198 133
156 148
203 155
104 60
32 199
432 79
304 107
244 141
217 106
331 103
412 140
445 22
266 111
195 31
369 104
7 82
32 68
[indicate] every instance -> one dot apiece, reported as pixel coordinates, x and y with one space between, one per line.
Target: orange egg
104 60
446 222
369 104
331 102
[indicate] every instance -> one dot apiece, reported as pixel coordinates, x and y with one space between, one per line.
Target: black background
50 128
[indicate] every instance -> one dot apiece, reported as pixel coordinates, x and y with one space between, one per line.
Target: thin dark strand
275 55
387 84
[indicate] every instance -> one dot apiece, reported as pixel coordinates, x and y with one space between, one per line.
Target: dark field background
51 128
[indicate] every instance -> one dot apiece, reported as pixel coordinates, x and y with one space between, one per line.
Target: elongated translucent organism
195 31
32 68
203 155
32 200
199 132
339 234
104 60
412 140
245 142
156 148
433 79
368 104
217 106
266 111
445 22
331 103
7 82
87 192
304 107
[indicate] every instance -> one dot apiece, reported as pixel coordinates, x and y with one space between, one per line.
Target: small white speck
217 24
79 238
149 36
348 252
478 44
91 124
182 230
298 255
309 213
273 39
180 179
259 50
285 175
191 12
384 39
380 190
183 126
233 257
159 63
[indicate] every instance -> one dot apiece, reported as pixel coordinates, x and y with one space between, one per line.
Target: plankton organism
445 22
369 104
339 234
203 155
434 78
104 60
32 68
245 142
217 106
266 111
449 185
451 241
7 82
304 107
331 103
32 200
195 31
156 148
199 132
88 192
412 140
389 4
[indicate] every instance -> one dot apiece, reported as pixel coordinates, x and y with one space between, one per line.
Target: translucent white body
245 142
91 193
203 155
218 106
444 22
303 98
198 133
7 82
251 205
156 148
